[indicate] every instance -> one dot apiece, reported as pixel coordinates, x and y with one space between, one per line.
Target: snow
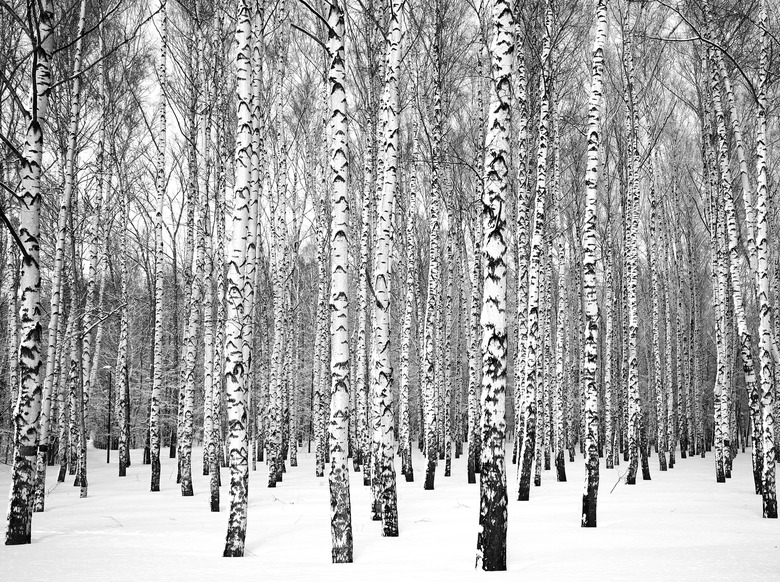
679 526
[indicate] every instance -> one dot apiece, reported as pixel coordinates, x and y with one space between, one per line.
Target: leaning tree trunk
235 389
28 404
732 259
491 536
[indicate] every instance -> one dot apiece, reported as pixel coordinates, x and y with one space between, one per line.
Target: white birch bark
338 477
381 373
491 536
474 415
655 300
732 261
122 369
59 259
429 362
768 400
160 183
522 229
234 371
591 308
633 396
28 405
533 344
405 444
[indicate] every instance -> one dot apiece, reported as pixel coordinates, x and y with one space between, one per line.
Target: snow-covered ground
679 526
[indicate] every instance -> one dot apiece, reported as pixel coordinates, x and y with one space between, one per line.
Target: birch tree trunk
63 366
522 229
668 420
234 374
447 326
429 363
192 340
632 267
768 403
589 273
732 261
561 387
154 406
610 402
361 367
474 338
338 478
59 259
28 405
405 444
122 364
381 374
658 380
491 536
533 351
474 407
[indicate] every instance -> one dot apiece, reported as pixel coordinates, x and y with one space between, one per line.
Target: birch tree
533 344
768 402
28 405
160 184
381 373
59 259
338 478
405 445
589 273
234 375
491 537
